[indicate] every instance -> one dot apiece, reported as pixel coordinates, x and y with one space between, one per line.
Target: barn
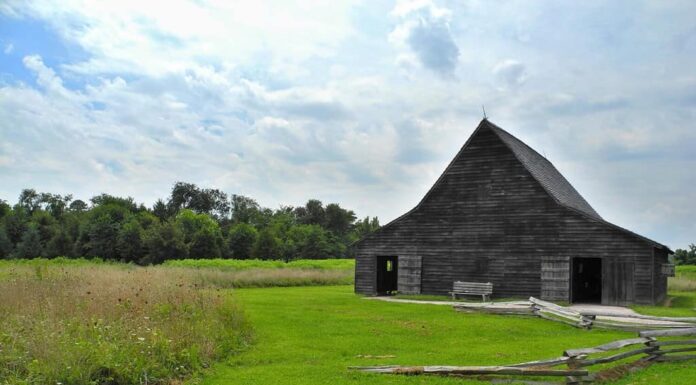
502 213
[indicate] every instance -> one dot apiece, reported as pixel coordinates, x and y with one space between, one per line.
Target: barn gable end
496 214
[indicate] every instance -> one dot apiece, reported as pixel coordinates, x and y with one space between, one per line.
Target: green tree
308 242
267 246
202 201
364 227
100 229
46 224
244 210
4 208
206 243
16 223
685 257
78 205
161 210
191 223
163 241
5 244
241 239
338 220
312 213
29 200
109 200
61 244
55 204
130 241
30 246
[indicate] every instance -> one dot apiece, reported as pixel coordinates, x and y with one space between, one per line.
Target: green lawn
310 335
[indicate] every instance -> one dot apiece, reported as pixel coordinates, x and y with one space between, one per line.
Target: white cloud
152 38
423 33
9 48
510 73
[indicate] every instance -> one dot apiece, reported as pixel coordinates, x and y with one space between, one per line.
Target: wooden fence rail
581 319
649 350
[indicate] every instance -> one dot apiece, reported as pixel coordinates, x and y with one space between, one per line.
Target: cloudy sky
362 103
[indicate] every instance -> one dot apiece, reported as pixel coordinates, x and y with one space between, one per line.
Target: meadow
79 321
106 324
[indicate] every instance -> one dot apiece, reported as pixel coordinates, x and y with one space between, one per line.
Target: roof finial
484 112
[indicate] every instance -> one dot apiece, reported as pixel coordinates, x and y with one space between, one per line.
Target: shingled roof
545 173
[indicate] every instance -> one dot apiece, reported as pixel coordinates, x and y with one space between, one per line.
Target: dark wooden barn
502 213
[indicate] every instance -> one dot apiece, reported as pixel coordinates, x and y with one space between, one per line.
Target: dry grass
685 279
269 277
684 283
96 323
111 325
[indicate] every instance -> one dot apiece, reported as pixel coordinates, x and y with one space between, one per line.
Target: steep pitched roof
545 173
541 170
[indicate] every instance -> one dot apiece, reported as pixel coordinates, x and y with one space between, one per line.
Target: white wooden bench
472 288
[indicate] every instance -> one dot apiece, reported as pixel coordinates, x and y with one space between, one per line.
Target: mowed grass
312 335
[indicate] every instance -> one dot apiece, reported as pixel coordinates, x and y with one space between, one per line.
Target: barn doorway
387 276
587 280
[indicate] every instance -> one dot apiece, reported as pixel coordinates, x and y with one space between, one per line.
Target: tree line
192 222
685 256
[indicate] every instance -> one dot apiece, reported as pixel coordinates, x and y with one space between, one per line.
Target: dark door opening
387 275
587 280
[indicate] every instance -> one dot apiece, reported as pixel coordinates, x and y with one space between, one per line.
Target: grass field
311 335
78 321
92 322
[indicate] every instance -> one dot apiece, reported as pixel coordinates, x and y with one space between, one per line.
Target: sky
363 103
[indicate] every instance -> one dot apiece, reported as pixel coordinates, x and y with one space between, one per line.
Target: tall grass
271 277
105 324
684 280
237 264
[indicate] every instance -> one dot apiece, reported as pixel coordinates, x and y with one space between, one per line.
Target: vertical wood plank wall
489 220
555 278
409 274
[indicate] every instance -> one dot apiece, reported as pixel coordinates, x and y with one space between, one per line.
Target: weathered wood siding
488 220
555 278
660 280
618 281
409 280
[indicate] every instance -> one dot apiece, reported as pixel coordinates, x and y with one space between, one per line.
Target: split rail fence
648 347
584 319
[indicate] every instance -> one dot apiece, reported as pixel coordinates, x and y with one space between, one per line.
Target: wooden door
617 282
555 278
410 274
